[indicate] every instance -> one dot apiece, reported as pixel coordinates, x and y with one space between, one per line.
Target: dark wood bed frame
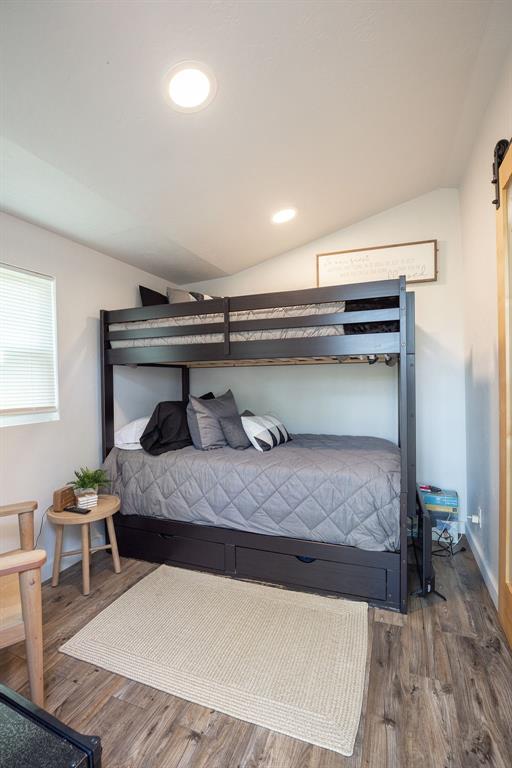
379 577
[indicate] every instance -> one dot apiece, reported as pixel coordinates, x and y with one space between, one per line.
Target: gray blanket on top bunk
340 490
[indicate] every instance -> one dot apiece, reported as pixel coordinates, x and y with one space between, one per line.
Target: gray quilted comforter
341 490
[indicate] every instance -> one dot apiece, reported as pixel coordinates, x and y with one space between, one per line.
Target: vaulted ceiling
340 109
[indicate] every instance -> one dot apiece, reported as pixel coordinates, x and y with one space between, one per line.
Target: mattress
328 488
303 310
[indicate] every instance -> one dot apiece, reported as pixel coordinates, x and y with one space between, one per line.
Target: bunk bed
359 323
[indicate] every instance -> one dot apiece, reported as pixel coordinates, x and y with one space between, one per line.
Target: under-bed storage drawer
328 575
163 548
314 566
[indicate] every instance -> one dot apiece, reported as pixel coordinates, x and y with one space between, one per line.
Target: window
28 354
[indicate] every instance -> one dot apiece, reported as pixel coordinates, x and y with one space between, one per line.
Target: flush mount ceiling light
284 215
191 86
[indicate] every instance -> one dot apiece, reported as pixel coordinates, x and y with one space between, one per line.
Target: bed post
404 434
411 400
107 391
185 383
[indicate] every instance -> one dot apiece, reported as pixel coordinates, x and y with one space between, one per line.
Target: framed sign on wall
417 261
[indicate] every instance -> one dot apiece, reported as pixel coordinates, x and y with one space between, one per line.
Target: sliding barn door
504 251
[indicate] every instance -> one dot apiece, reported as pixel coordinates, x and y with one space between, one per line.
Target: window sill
18 419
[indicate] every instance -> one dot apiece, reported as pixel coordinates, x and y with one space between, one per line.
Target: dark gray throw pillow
167 429
151 298
203 420
234 432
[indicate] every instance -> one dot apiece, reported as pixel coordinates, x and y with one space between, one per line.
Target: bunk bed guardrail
319 346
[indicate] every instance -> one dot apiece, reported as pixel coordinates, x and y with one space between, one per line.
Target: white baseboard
488 576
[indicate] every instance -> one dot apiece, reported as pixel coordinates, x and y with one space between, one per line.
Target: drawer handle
304 559
166 535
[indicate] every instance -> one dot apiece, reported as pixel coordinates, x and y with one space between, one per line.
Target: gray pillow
203 420
234 432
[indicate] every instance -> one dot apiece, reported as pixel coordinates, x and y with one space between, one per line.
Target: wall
37 458
357 399
481 343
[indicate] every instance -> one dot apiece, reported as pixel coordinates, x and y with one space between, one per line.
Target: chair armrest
21 560
18 509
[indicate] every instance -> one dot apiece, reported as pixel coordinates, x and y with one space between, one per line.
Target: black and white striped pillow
265 432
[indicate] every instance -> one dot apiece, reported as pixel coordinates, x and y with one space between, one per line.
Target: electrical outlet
477 519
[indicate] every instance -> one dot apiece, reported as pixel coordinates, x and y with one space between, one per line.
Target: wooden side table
105 510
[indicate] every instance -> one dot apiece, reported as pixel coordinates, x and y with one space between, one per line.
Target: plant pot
86 498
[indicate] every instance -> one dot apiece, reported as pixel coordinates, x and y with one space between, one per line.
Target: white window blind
28 359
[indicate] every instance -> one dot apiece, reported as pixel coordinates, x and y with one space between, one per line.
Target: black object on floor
31 738
422 545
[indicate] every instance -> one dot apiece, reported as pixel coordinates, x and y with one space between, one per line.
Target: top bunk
362 322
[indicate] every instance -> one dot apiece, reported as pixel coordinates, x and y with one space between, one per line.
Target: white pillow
178 296
265 432
128 437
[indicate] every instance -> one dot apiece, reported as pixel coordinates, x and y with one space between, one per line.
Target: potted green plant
86 484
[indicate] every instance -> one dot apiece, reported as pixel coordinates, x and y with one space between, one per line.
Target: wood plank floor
439 688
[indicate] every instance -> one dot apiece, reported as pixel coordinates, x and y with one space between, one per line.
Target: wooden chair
21 615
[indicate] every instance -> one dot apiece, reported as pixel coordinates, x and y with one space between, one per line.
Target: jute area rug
288 661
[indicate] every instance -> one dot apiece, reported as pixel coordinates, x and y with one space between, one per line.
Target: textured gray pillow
234 432
203 420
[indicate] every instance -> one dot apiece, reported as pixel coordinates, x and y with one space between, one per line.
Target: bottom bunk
320 512
338 489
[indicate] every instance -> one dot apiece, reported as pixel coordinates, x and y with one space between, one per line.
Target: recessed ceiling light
286 214
191 86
